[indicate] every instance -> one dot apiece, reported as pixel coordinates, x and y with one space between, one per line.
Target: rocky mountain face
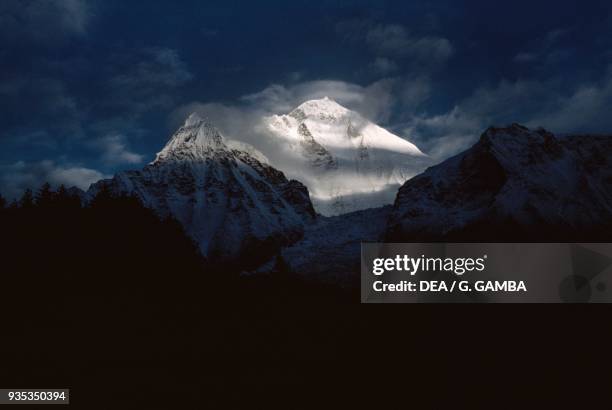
347 162
329 251
226 196
514 184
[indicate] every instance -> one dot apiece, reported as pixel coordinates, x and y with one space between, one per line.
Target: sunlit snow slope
347 162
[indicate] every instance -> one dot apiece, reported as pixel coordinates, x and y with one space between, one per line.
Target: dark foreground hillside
118 306
110 297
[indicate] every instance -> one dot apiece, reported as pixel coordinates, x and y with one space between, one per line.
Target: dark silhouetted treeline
108 294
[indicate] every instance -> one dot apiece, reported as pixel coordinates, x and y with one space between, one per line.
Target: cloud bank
581 109
16 177
115 151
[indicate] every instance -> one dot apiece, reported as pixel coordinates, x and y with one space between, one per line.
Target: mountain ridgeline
226 197
514 184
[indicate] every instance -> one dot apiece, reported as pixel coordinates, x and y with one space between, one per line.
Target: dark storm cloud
394 41
384 66
547 50
41 107
583 108
145 80
42 21
57 113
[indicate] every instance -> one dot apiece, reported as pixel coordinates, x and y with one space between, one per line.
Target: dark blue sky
88 87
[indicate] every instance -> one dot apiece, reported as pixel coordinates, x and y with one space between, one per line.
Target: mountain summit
340 128
197 138
514 183
224 194
348 162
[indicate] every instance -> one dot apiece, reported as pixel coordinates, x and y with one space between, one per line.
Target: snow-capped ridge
513 178
236 145
516 146
500 135
197 138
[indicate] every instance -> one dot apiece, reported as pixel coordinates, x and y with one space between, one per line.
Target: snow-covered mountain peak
516 147
337 129
321 109
512 176
197 138
513 134
348 162
223 192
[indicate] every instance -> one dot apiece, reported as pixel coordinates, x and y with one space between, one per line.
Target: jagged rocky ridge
228 199
513 184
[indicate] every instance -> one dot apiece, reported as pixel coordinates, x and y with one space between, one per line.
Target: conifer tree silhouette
45 196
65 200
27 199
